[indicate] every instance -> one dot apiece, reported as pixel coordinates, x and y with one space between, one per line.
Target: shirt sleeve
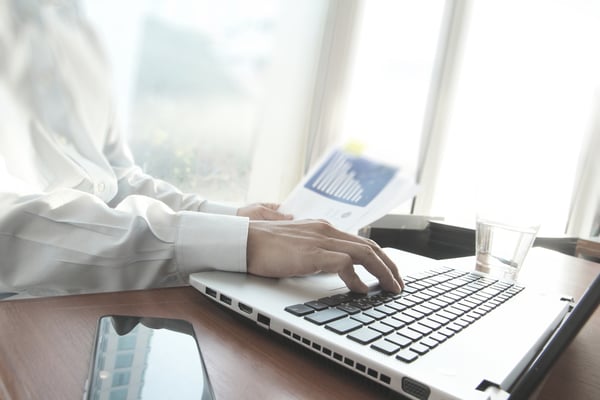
69 241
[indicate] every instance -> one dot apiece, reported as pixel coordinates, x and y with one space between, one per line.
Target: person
77 214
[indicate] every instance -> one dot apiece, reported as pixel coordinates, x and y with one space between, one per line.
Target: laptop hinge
495 393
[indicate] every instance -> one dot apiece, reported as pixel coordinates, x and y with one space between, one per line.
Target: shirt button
101 187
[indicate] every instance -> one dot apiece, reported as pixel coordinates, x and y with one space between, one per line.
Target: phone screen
146 358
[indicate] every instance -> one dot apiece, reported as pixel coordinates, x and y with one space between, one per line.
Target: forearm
68 242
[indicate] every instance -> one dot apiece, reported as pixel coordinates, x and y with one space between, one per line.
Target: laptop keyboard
433 307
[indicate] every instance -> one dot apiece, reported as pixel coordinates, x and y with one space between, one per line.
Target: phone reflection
147 358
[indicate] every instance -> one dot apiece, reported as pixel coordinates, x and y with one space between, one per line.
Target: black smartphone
146 358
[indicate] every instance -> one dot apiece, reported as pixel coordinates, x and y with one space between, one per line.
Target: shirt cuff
211 242
217 208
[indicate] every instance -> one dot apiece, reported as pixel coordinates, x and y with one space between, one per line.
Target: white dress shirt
76 214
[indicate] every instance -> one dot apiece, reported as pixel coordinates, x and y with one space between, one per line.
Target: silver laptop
451 334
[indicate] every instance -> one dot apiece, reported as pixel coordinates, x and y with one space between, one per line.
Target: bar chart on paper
350 179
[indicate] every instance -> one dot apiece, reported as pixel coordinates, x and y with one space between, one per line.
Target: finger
330 261
330 231
272 206
388 261
362 253
272 214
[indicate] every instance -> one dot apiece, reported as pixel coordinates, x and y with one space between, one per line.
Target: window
127 342
121 378
521 112
124 360
207 87
118 394
391 74
492 103
394 58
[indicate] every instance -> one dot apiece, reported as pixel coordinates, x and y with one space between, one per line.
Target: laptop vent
340 359
415 388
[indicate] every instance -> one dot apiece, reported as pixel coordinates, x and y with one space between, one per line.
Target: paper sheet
349 190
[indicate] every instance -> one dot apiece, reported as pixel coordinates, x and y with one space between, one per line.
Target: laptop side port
264 320
225 299
245 308
414 388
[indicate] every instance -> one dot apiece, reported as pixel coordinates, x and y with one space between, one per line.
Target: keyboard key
409 289
486 308
479 312
364 335
383 328
469 302
421 296
406 302
363 318
438 302
445 299
422 329
400 340
446 315
437 290
361 304
407 319
439 319
409 333
393 322
422 310
438 337
414 314
300 310
446 332
337 299
374 314
396 306
429 342
349 309
462 307
411 299
452 311
431 306
317 305
386 347
407 355
325 316
343 326
454 327
430 323
454 296
386 310
419 348
430 293
462 323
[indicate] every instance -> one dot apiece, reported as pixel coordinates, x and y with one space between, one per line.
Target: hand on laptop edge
284 248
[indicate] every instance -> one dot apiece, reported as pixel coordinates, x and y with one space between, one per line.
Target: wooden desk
45 344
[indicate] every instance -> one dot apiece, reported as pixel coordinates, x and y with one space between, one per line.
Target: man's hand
262 211
294 248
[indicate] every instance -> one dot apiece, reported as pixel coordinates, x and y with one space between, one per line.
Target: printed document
350 190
